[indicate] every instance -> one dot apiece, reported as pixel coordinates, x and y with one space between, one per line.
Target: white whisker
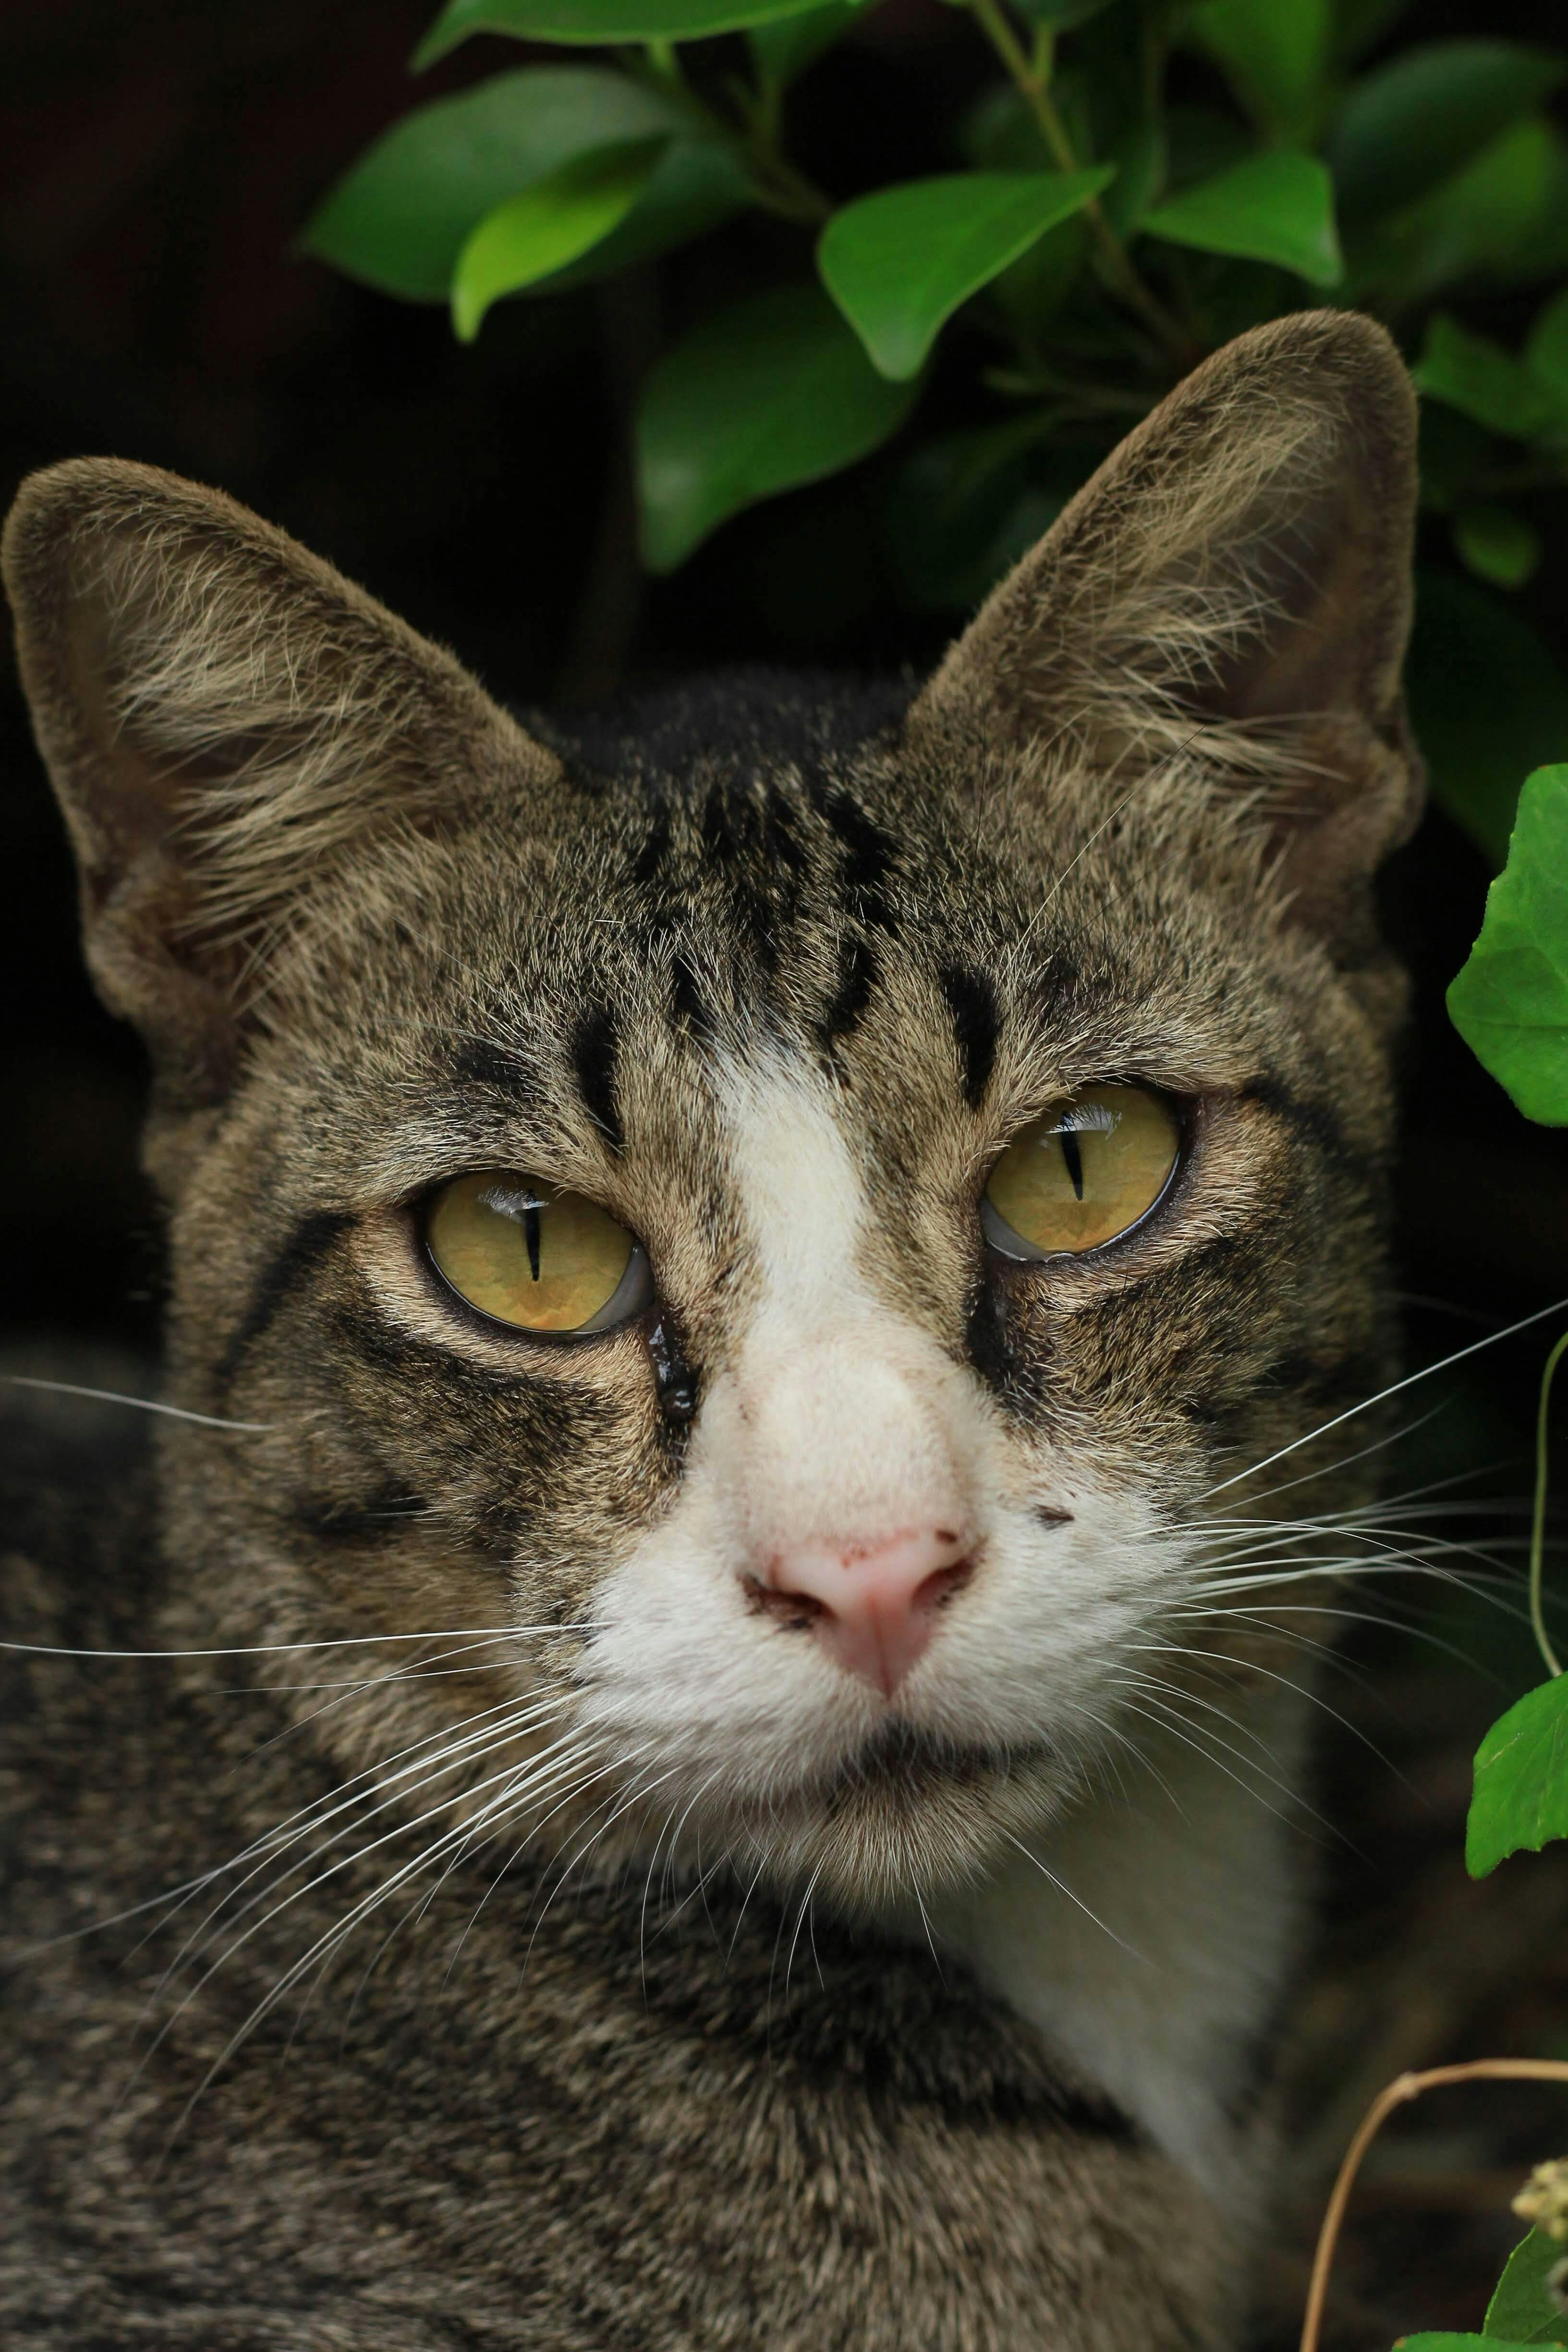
1063 1888
1509 1331
139 1404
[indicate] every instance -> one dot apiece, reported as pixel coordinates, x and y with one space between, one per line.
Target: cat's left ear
230 727
1209 638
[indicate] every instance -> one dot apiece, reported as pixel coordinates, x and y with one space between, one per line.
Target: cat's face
852 1536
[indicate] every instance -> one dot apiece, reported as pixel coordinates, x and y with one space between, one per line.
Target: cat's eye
534 1256
1082 1172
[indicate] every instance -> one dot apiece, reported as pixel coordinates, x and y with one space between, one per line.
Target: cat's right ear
226 721
1212 630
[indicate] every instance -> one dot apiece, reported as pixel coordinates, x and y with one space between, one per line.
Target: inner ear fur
225 720
1215 624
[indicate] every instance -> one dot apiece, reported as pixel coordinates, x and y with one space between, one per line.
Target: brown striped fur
735 2050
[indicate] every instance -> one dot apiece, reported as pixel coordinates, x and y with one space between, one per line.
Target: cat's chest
1149 1939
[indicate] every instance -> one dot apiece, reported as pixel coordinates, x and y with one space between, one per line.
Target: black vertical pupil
1074 1158
531 1236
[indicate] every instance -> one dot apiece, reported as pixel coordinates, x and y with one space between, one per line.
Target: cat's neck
1148 1938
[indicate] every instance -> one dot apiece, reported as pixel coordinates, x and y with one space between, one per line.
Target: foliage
1141 180
1510 1003
779 391
1521 1800
1455 2344
1522 2311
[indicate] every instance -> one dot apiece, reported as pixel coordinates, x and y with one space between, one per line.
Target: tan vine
1394 2095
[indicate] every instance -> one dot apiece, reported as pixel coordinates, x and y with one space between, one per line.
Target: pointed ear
225 720
1216 623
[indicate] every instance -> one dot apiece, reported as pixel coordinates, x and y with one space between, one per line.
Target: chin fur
906 1819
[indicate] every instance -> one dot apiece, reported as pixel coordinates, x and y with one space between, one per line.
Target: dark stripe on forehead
779 835
478 1062
858 977
870 862
288 1269
717 841
972 1001
594 1049
651 856
688 1003
870 850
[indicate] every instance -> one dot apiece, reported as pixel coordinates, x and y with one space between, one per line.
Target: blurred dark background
157 158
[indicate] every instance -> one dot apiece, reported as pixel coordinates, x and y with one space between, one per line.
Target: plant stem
779 187
1538 1522
1394 2095
1033 82
793 197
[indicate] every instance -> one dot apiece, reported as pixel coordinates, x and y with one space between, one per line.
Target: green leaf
1276 56
785 48
1502 214
399 218
1453 2344
1497 544
1521 1799
1277 208
1420 119
1478 377
696 184
1488 702
1140 159
1546 351
589 22
548 224
1509 1005
1521 2310
1541 251
900 263
771 393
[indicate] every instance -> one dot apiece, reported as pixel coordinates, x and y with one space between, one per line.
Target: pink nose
872 1606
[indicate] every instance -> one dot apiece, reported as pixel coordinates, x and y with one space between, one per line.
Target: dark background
157 157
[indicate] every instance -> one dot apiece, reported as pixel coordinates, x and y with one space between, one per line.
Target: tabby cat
689 1739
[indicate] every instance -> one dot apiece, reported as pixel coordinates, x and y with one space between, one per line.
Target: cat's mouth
903 1760
908 1808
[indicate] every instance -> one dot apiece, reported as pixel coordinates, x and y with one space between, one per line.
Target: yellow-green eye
534 1256
1081 1172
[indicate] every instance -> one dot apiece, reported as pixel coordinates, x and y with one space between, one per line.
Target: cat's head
792 1202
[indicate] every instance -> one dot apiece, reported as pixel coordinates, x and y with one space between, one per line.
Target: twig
777 185
1034 86
1396 2093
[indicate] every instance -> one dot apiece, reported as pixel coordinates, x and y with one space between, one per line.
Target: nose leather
874 1604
